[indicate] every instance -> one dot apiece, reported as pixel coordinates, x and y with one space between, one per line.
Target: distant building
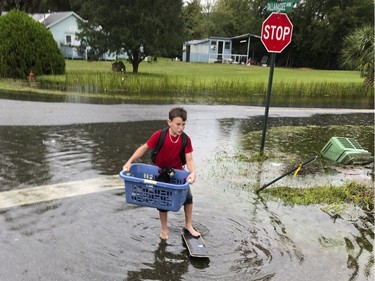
64 29
238 49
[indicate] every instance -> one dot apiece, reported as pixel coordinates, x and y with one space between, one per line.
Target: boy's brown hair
178 112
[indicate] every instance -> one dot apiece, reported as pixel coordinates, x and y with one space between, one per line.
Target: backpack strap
184 144
161 142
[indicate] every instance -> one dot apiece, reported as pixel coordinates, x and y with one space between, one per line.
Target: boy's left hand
190 179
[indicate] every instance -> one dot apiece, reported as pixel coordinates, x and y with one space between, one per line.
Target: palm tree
358 53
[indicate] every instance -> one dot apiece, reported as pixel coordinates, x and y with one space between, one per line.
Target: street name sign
280 6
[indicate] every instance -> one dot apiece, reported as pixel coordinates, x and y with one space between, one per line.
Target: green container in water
344 151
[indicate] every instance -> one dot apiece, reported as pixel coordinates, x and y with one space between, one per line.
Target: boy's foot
192 231
163 236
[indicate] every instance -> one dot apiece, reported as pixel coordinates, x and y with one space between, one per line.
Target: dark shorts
189 199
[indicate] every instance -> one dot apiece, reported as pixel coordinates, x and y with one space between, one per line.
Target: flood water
98 236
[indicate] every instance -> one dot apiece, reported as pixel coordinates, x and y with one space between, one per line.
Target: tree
358 53
41 6
27 45
194 27
235 17
319 29
23 5
139 27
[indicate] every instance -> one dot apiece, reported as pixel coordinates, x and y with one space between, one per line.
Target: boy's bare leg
188 208
164 225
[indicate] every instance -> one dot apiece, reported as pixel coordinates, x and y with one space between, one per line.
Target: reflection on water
32 156
166 266
360 249
253 100
248 238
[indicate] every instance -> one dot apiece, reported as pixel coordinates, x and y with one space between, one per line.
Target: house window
68 39
213 45
227 46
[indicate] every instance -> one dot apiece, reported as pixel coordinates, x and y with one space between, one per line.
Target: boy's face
177 126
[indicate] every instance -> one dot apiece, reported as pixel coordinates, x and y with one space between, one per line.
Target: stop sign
277 32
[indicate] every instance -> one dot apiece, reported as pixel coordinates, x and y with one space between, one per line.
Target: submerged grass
175 86
204 83
291 145
350 193
308 140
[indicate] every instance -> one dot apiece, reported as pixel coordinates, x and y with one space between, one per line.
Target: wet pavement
64 158
18 113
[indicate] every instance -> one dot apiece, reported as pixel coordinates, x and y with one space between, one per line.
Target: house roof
244 36
50 19
199 41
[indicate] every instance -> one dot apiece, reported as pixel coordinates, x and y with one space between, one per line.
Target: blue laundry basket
142 189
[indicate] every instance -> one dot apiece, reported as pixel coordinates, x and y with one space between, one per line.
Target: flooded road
88 233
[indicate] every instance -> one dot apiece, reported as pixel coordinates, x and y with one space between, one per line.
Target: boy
169 157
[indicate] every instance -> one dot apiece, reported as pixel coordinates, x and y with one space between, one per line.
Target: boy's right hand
126 167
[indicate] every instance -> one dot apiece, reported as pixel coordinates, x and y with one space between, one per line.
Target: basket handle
150 181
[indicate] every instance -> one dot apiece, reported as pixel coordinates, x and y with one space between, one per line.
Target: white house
238 49
64 27
212 49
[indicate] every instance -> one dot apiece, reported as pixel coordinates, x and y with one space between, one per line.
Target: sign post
276 34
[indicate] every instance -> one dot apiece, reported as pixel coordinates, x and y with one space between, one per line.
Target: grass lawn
168 81
205 72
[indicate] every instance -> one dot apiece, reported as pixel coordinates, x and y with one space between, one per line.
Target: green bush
26 45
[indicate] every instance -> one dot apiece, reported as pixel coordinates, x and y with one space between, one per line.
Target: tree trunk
135 64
